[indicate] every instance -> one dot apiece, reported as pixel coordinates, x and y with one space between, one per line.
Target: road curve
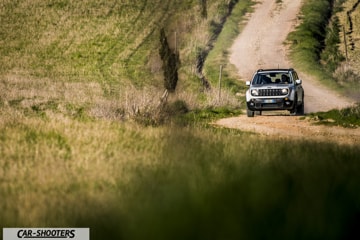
261 45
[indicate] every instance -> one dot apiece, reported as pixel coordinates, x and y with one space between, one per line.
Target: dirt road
261 45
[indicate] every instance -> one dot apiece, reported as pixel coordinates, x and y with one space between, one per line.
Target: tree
171 62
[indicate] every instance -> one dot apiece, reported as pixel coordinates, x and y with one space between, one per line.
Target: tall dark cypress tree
203 8
170 63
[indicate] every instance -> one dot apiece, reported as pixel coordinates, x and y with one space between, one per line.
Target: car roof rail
274 69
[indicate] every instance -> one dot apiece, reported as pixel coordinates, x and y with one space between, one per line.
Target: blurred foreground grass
129 182
67 160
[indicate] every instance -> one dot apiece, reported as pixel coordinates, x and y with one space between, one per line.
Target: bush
309 38
347 117
345 76
331 56
177 107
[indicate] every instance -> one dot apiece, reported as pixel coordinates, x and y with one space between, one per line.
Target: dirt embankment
261 45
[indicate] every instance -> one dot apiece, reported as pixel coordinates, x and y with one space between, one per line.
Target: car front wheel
293 111
301 110
249 113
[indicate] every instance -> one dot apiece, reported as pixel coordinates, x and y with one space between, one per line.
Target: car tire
294 111
249 113
301 108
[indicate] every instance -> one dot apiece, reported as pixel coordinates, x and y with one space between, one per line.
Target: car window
272 78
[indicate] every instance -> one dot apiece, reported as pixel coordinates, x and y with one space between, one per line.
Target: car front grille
270 92
279 105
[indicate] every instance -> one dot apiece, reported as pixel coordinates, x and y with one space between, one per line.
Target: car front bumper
263 104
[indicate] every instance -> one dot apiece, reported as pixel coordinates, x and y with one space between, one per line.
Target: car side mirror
298 82
248 83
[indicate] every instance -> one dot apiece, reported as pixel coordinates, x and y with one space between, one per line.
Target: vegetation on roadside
219 54
308 40
347 117
316 45
204 117
348 73
349 18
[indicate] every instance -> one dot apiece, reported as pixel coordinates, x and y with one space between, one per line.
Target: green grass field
318 44
102 57
97 41
72 73
127 182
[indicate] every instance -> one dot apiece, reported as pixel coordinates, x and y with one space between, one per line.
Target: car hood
271 86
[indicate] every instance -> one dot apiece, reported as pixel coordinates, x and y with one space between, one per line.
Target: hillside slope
70 41
350 21
98 48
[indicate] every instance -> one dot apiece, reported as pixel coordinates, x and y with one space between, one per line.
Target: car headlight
255 92
284 91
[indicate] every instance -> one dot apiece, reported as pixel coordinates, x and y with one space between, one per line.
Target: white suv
275 89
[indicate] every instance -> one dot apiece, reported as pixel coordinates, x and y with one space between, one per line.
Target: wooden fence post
220 77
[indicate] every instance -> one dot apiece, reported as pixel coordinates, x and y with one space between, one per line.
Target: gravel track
261 45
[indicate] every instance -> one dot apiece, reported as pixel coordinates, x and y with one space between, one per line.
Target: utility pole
220 76
345 43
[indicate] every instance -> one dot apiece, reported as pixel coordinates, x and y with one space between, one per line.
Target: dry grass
42 96
68 159
50 163
114 177
348 72
353 37
99 58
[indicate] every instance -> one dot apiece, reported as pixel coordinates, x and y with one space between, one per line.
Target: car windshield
272 78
